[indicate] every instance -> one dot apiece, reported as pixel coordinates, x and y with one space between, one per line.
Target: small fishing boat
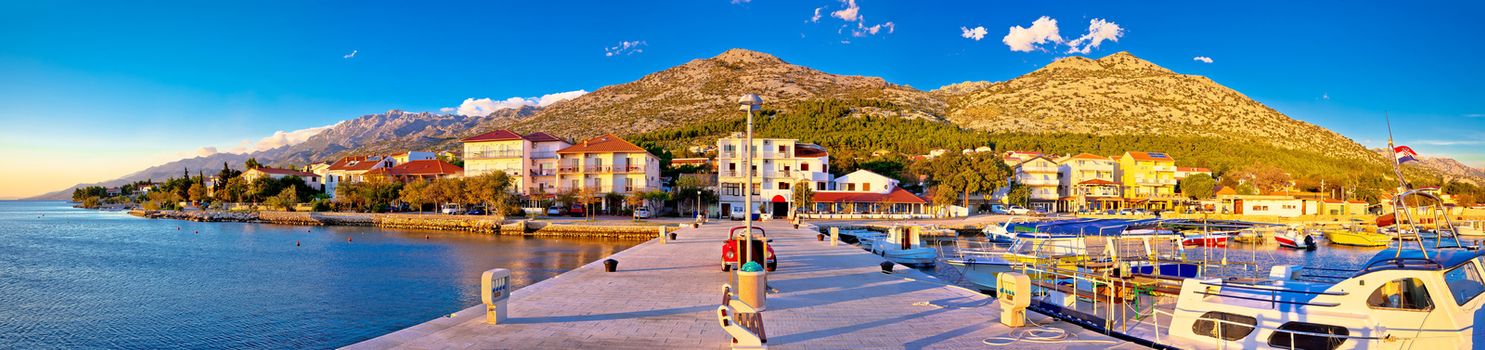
1214 239
1000 233
1471 229
904 245
1356 236
1295 238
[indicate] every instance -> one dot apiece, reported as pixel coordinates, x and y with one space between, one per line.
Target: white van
450 208
737 213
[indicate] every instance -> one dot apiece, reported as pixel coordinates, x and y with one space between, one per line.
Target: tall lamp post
749 103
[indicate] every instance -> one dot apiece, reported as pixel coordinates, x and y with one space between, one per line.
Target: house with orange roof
422 169
530 159
1148 180
1086 182
353 169
409 156
1183 171
607 164
865 194
777 166
310 179
1011 158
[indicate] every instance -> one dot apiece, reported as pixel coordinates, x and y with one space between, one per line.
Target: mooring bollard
495 292
834 236
662 235
887 267
610 265
820 237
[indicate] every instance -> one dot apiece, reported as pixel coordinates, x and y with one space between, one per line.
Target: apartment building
777 166
607 164
1087 183
1148 179
1039 175
353 169
530 160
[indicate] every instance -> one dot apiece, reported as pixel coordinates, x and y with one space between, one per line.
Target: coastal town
741 174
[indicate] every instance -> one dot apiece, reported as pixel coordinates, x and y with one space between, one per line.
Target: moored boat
1296 238
1215 239
1356 236
904 245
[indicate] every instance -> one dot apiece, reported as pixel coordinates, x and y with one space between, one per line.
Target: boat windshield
1464 282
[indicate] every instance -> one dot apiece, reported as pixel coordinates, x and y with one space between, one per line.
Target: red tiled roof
541 137
689 161
898 195
356 163
424 167
286 172
608 143
805 150
497 135
1089 156
1152 156
1098 182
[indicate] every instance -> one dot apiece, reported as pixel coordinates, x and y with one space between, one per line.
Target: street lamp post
749 103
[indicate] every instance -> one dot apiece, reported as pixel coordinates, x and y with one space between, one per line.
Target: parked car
576 210
450 208
642 213
737 213
556 210
1017 210
475 211
761 248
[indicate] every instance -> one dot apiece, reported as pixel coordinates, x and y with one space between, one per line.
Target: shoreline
464 223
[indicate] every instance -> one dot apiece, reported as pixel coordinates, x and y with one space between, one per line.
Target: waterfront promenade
666 295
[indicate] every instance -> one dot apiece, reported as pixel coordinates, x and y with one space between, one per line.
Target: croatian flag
1405 154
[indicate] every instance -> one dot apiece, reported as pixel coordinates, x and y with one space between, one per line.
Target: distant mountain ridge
1119 94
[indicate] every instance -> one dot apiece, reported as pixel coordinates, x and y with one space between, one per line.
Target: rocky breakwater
466 223
469 223
605 230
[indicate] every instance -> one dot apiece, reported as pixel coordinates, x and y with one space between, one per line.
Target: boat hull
981 272
1358 239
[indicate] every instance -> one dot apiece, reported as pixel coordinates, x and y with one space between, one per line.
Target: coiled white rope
1040 334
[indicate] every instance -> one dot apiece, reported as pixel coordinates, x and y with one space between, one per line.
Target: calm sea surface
73 278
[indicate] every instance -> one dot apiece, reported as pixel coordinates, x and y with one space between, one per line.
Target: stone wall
466 223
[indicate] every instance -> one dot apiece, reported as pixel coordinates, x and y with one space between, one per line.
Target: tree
235 190
416 194
803 195
585 196
688 188
492 189
285 199
1019 195
944 197
252 163
634 200
198 193
1246 189
1199 186
611 201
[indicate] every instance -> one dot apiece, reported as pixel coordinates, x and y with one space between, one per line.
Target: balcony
1033 181
1165 168
567 169
1155 182
629 169
543 155
1037 169
727 154
543 172
734 173
497 154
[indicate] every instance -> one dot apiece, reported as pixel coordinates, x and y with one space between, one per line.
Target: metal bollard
662 235
834 236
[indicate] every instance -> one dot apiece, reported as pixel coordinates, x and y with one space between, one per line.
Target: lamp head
749 102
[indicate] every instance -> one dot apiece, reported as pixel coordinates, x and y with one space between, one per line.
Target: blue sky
94 90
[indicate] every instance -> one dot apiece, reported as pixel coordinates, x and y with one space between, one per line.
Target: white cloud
1475 115
862 30
351 55
1203 59
485 106
625 48
1325 96
975 33
850 13
1098 31
1042 30
816 17
735 2
278 139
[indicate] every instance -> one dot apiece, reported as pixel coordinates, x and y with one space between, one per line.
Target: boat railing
1400 262
1272 291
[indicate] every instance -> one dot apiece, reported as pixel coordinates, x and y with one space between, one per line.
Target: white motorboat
904 245
1470 229
1001 232
1139 249
1294 237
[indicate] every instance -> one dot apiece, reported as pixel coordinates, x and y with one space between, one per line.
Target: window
783 149
850 186
1464 282
804 166
731 189
866 186
783 185
820 186
1404 294
1281 339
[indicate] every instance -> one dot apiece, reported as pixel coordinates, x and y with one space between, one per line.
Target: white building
1039 175
607 164
778 166
310 179
530 160
1258 205
1087 182
353 169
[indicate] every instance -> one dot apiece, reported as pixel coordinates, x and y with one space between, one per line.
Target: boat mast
1399 204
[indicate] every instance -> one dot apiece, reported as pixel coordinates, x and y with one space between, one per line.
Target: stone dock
666 296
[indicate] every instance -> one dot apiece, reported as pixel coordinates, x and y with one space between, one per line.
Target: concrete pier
665 296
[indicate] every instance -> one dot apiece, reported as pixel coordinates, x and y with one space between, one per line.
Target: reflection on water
73 278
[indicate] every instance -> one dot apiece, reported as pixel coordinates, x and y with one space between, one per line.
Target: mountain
1121 94
707 89
1445 166
210 165
1118 101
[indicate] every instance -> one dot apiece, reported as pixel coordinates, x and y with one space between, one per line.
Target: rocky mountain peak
1121 61
745 56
